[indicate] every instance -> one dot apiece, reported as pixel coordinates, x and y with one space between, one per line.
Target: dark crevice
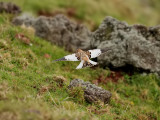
128 69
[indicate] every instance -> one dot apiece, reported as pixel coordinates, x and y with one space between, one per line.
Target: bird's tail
61 59
84 64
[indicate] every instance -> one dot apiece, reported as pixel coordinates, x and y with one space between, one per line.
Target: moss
77 94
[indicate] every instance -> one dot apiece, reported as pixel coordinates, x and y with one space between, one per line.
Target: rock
25 19
58 30
9 7
92 93
135 45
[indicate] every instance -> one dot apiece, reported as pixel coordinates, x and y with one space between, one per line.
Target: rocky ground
33 87
135 45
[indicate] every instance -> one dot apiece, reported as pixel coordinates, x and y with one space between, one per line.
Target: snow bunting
84 57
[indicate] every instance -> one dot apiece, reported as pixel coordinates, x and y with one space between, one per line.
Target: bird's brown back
82 55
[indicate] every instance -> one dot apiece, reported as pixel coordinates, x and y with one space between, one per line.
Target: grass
32 87
92 12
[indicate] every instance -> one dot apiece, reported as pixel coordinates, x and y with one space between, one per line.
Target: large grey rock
135 45
58 30
92 93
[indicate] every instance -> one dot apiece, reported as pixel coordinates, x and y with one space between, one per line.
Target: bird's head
79 50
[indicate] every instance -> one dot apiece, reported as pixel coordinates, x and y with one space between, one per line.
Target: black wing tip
61 59
87 64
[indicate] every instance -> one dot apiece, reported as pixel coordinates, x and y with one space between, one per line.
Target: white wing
95 52
80 65
71 57
92 62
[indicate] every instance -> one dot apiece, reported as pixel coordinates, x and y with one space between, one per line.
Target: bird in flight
84 57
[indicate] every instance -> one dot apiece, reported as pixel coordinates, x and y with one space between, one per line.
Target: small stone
9 7
92 93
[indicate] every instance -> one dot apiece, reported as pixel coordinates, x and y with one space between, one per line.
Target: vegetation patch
32 87
77 94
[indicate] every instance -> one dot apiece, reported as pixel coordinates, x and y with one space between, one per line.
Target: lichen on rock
135 45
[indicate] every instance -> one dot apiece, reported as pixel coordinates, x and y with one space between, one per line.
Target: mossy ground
29 89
